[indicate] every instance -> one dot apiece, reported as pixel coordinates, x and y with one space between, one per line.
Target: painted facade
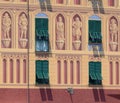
69 49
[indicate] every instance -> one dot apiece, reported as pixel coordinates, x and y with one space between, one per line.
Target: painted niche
6 30
23 30
76 32
60 32
113 34
77 1
60 1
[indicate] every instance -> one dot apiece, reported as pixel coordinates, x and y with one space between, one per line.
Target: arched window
41 31
95 29
94 33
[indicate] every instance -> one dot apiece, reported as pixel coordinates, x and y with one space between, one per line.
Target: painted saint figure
60 29
77 25
113 30
6 25
23 26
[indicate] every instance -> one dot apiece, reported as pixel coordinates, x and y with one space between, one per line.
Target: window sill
95 85
42 52
38 85
95 43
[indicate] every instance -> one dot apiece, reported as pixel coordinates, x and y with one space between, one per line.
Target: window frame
41 35
95 73
42 70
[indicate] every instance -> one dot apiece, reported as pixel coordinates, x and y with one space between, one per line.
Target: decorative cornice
13 6
68 56
57 8
94 58
43 55
112 58
14 55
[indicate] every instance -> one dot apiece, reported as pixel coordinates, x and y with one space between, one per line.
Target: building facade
60 44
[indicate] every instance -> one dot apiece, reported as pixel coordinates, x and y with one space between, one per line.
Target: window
95 77
42 72
41 30
94 34
95 31
111 2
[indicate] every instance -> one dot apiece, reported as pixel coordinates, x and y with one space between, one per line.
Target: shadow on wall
97 6
117 96
99 95
46 94
45 5
98 52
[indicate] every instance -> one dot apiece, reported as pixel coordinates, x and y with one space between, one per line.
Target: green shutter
98 75
97 26
45 69
41 26
98 67
41 23
40 75
92 71
98 70
39 69
93 75
91 66
92 26
91 30
95 31
98 30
